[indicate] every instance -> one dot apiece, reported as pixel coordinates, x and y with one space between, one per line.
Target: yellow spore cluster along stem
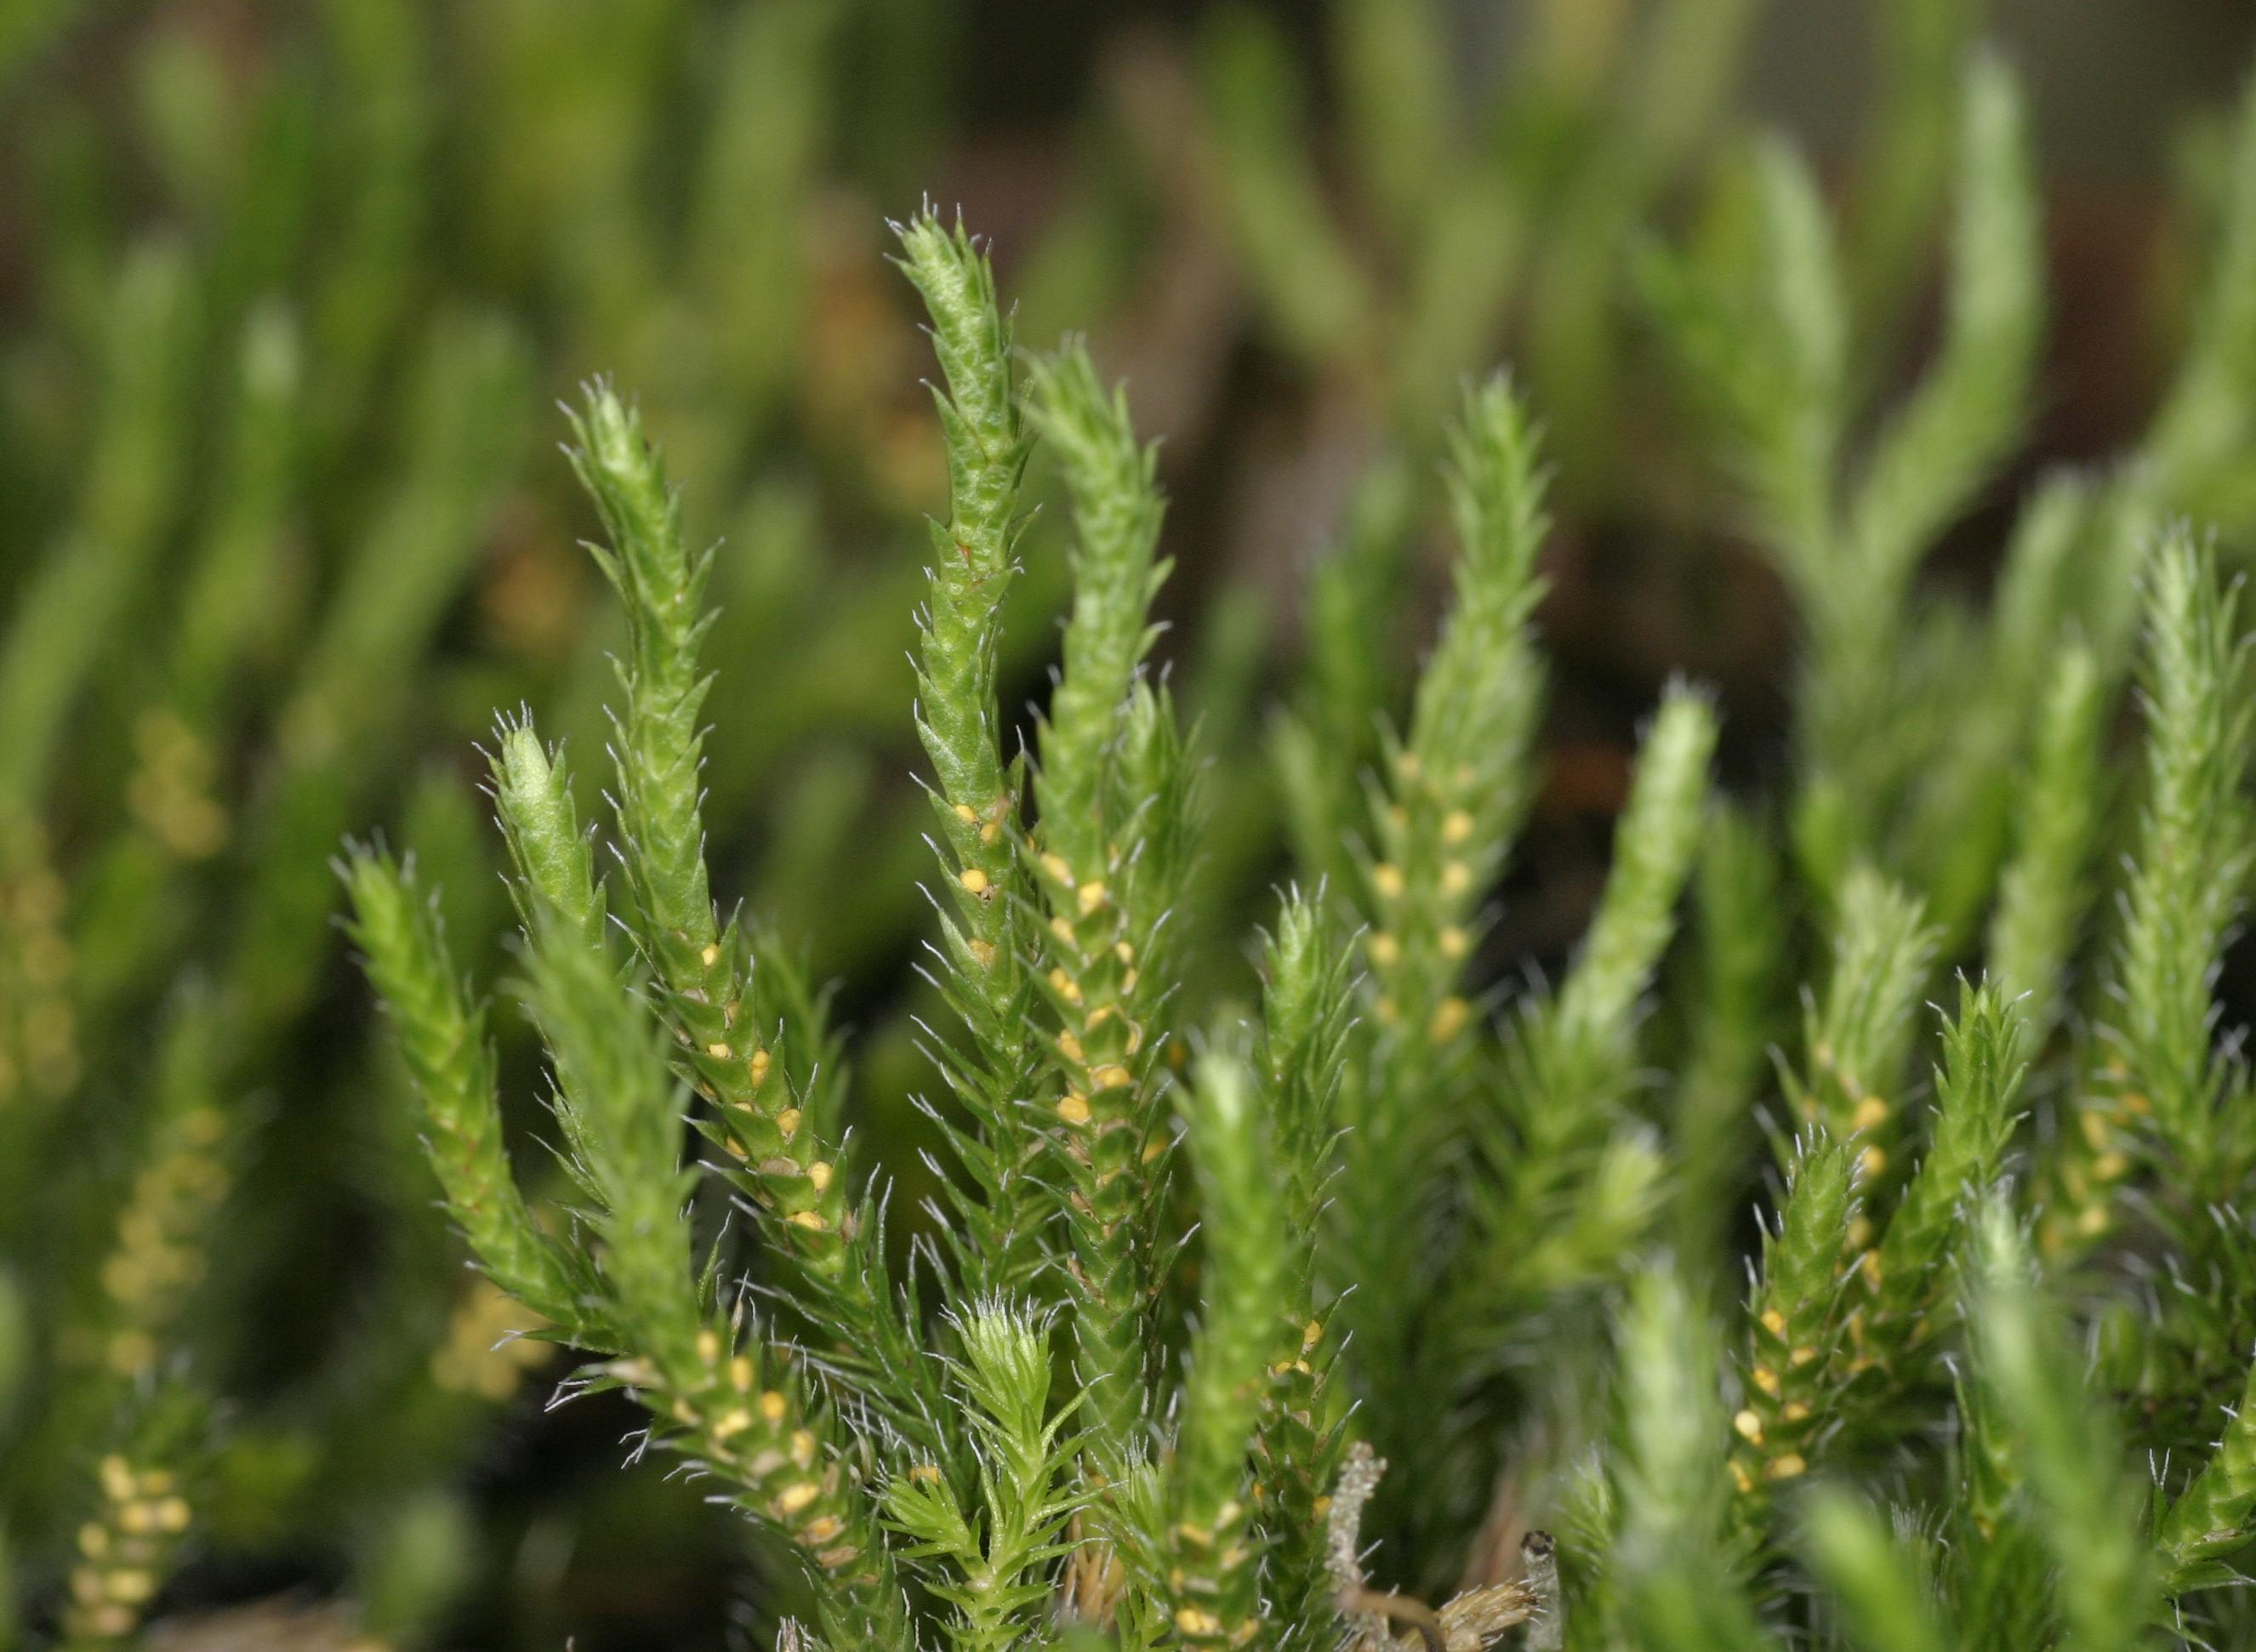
144 1291
163 1232
125 1551
38 1022
781 1458
709 995
1792 1362
486 1351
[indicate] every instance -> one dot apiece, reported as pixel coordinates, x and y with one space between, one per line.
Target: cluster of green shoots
264 398
1286 1254
1377 1304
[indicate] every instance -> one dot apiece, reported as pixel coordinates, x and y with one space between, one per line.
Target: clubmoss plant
1403 1193
208 618
1181 1339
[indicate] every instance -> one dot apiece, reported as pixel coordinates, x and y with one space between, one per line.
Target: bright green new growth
443 1036
2044 889
1973 1121
553 858
998 1548
2209 1518
2084 1506
662 588
1214 1579
1264 1310
2193 850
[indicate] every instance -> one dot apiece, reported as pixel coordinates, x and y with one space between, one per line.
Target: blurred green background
287 294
